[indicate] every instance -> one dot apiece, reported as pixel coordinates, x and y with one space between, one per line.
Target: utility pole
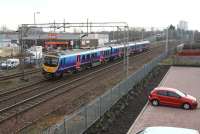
125 42
22 51
127 54
87 26
193 37
166 46
34 16
64 25
54 28
90 27
142 34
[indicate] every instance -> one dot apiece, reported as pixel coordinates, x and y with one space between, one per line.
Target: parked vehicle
167 130
10 63
172 97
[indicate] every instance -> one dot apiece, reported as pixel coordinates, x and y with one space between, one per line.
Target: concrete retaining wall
187 60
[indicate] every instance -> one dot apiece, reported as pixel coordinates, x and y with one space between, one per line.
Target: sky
138 13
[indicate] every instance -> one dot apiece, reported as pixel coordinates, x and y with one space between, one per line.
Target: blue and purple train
57 63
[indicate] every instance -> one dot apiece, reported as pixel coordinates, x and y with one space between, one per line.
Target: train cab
50 65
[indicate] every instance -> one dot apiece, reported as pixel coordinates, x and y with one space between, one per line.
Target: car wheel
155 102
186 106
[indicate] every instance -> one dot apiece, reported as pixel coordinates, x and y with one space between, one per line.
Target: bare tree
4 28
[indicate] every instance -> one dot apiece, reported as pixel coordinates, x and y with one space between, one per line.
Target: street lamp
35 16
167 40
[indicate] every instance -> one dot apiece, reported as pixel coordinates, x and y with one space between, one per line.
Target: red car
172 97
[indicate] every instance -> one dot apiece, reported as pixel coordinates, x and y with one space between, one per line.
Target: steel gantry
121 27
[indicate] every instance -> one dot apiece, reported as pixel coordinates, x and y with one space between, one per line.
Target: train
55 64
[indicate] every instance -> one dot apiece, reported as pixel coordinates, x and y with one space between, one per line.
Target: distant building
94 40
36 36
183 25
8 39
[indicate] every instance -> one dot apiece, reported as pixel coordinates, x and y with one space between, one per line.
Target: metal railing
82 119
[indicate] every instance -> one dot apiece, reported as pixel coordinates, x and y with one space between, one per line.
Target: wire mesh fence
82 119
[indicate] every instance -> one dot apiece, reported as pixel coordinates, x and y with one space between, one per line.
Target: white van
167 130
10 63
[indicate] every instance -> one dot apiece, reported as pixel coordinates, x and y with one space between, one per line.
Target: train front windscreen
50 61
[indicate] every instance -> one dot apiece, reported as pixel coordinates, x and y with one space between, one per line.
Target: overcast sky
142 13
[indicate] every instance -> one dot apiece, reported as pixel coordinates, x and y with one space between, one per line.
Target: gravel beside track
20 74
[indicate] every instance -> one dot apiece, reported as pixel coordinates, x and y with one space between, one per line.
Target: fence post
100 106
145 69
86 117
64 127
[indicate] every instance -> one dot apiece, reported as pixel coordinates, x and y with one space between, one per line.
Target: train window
83 57
61 62
65 60
88 57
50 61
93 55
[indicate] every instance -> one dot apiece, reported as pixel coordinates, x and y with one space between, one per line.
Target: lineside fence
82 119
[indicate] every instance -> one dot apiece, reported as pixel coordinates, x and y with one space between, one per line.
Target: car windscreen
50 61
141 132
180 93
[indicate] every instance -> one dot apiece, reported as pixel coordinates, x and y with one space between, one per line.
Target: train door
78 62
101 56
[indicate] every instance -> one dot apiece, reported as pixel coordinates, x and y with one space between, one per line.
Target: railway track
9 110
33 101
8 92
15 75
10 105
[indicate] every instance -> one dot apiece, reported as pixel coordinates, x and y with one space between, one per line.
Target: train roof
143 42
130 44
74 52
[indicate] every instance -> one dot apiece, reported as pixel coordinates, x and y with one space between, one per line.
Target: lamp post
126 49
35 16
36 53
167 40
